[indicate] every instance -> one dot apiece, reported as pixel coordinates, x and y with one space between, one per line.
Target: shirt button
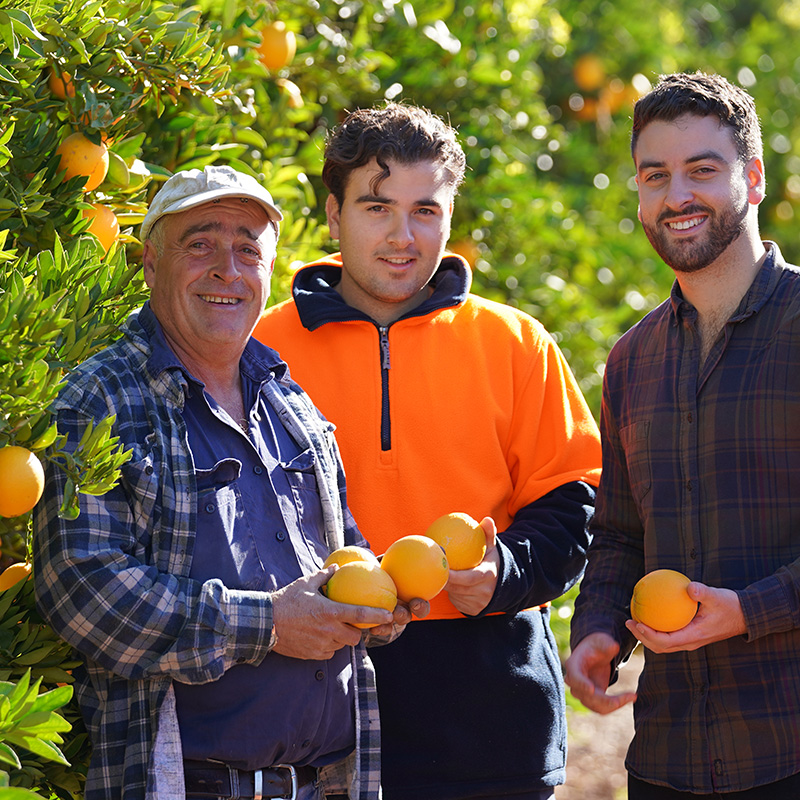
210 508
148 469
258 470
280 536
307 742
689 416
319 675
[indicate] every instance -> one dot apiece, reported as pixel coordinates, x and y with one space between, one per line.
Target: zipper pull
385 360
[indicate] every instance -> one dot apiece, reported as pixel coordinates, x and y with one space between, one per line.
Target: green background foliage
547 214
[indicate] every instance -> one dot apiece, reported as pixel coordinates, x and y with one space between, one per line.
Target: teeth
397 260
229 301
682 226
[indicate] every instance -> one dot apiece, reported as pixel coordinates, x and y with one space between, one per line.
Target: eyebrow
216 226
706 155
388 201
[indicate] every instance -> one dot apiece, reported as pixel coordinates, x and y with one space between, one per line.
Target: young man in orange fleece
446 402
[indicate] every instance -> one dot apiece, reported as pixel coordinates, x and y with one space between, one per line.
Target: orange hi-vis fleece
467 406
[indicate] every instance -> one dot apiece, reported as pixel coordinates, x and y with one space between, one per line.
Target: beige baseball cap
194 187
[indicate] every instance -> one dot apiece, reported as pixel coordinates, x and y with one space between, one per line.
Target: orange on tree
60 83
278 45
103 225
660 601
81 156
348 554
362 583
13 574
589 72
461 537
21 480
418 567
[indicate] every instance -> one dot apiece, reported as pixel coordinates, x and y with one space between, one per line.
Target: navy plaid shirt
115 582
701 473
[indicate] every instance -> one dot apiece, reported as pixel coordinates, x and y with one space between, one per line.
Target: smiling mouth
686 224
398 262
220 301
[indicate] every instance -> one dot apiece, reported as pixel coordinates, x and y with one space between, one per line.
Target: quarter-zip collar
318 302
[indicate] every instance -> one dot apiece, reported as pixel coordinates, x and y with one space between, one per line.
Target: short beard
693 256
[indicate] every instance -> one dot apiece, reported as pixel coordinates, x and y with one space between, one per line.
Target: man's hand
588 672
718 617
383 634
310 626
471 590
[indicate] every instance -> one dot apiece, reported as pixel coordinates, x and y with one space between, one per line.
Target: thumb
490 531
698 591
318 579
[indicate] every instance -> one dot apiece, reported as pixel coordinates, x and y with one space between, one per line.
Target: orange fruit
21 480
81 156
103 224
60 84
362 583
278 45
12 575
348 554
461 538
589 72
660 600
418 567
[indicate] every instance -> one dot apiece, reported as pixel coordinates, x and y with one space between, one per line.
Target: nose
679 193
226 267
401 234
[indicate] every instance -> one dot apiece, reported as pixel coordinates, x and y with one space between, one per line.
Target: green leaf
9 756
24 23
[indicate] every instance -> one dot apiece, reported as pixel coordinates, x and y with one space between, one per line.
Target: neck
219 373
720 286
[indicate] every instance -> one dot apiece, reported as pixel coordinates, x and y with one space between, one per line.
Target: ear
639 212
149 256
756 183
332 211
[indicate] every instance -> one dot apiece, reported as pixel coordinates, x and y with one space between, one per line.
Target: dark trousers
786 789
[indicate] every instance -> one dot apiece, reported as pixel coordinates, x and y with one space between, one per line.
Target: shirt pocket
225 547
139 476
302 479
636 444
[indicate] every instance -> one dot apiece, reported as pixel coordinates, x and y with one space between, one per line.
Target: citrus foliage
540 92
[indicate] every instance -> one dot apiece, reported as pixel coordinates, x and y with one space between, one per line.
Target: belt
213 779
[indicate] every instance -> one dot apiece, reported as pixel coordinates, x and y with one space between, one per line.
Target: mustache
665 216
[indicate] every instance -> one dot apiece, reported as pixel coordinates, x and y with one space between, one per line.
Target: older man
213 666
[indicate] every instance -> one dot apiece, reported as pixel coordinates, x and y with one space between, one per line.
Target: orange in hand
461 538
418 567
660 601
362 583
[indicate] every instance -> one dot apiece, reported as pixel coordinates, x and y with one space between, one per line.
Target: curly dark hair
702 95
396 132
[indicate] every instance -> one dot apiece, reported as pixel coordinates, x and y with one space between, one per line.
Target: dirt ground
597 747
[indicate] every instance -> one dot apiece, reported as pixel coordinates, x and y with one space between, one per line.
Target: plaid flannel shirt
114 582
701 473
